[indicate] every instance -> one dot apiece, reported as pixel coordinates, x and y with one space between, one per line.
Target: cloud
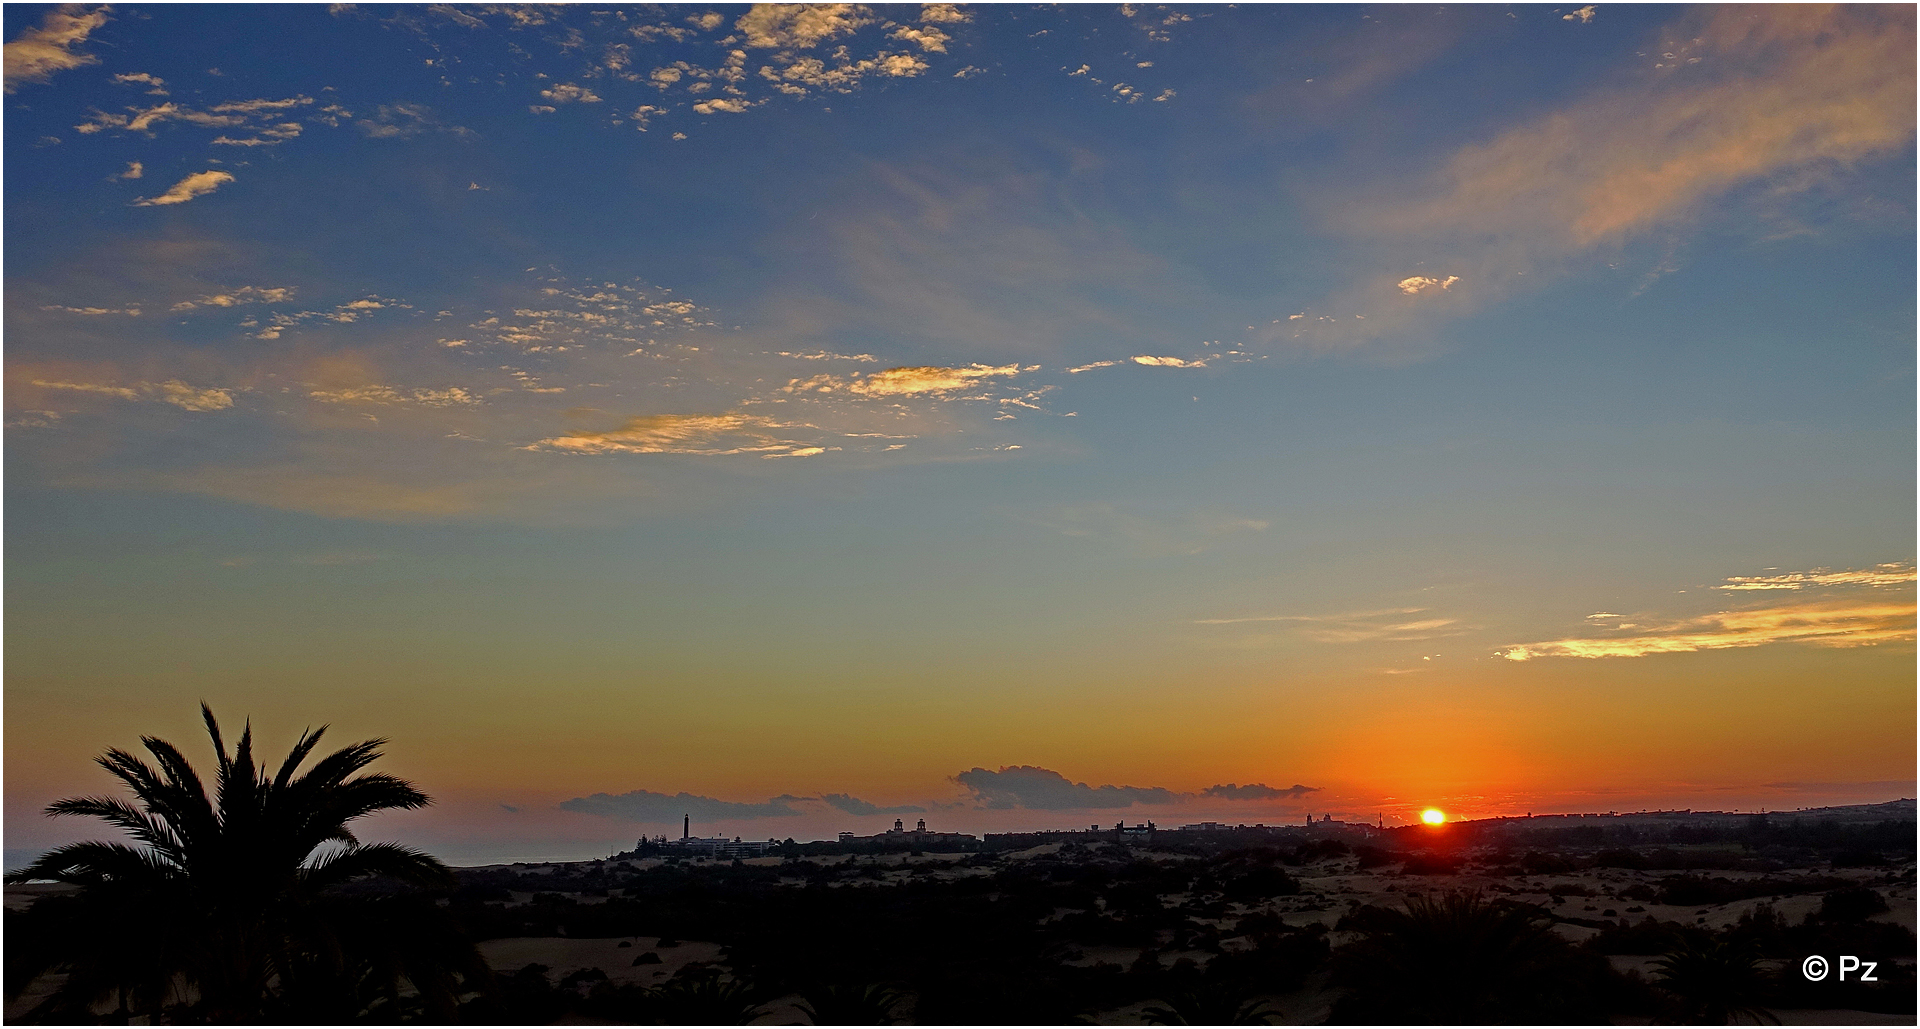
1894 574
400 121
1825 624
722 105
1415 284
271 135
199 184
1390 625
798 26
1168 362
896 382
1583 15
48 48
132 311
1090 367
193 398
379 394
944 14
856 806
567 93
134 170
930 39
1257 791
157 86
1042 789
648 806
172 391
1736 95
238 296
708 435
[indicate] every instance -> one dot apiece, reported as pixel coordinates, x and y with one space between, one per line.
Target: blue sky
1505 407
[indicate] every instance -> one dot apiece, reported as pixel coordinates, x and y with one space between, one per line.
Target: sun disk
1433 816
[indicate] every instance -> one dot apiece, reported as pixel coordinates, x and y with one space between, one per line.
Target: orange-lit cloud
172 391
1894 574
686 434
895 382
800 25
198 184
40 52
1734 95
1826 624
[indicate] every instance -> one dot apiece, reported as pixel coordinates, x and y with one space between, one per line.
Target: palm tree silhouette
1219 1004
230 904
1463 959
1714 983
866 1004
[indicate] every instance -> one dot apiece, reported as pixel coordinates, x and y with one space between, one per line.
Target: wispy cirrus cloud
896 382
1884 575
1388 625
172 391
1825 624
701 434
1839 617
1734 95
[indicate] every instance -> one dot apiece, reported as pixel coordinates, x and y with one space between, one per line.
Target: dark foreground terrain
1633 919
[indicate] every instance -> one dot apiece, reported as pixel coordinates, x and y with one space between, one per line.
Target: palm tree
1462 959
231 904
1714 983
1218 1004
869 1004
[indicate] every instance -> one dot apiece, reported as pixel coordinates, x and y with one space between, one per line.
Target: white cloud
1583 15
198 184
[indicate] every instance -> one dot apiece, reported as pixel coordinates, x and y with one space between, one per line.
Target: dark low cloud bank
1257 791
648 806
856 806
1043 789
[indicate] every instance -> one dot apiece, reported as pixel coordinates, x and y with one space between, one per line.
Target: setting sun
1433 816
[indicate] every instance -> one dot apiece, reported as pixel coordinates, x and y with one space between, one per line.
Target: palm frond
98 864
385 859
308 740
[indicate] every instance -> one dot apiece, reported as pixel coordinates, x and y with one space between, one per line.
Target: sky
799 417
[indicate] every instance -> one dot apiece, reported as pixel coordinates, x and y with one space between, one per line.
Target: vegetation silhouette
1212 1004
1714 982
704 997
864 1004
1464 960
236 907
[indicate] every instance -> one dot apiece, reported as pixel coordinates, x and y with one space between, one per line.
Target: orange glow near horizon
1433 816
